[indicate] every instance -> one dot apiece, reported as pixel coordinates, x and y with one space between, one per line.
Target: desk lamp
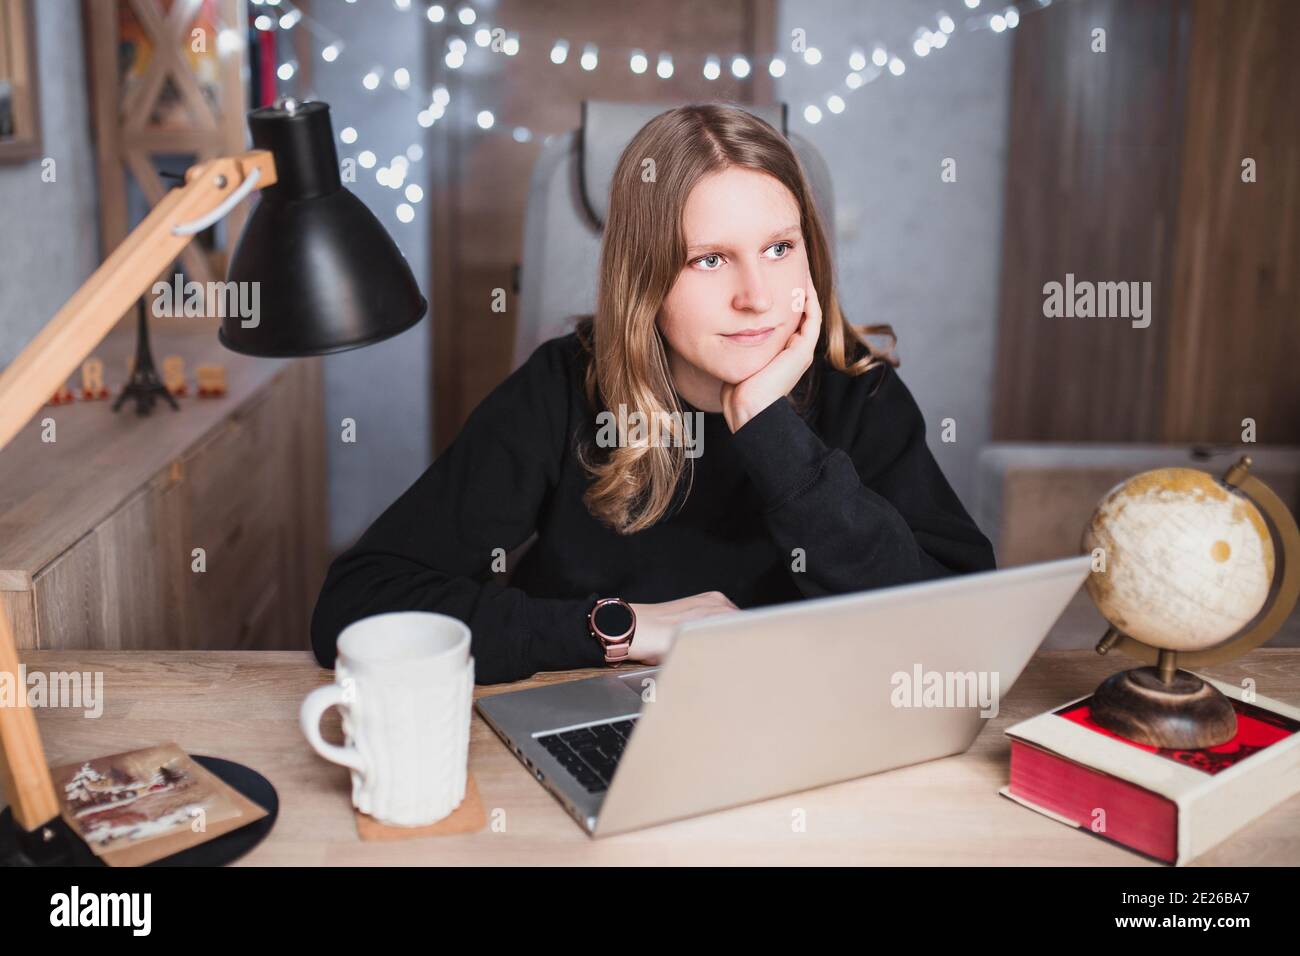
331 279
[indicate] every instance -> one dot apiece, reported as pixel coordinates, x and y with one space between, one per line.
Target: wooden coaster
469 817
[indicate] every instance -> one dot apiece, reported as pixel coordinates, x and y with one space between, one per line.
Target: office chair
568 196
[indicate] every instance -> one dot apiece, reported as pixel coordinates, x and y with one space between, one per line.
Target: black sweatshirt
852 484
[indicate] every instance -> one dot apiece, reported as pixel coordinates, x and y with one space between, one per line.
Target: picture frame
20 124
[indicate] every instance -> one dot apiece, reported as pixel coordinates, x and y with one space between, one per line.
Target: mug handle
313 708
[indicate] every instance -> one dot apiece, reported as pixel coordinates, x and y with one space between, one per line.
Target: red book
1172 805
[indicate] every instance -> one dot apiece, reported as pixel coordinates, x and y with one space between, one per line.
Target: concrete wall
385 387
912 251
49 231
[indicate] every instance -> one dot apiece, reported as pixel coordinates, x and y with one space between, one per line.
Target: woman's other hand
656 624
744 400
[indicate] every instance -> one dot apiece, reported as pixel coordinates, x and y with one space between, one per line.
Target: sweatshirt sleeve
433 548
876 514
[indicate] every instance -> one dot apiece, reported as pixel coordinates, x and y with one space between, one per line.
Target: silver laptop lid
775 700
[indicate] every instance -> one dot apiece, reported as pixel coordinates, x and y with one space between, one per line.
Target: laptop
754 704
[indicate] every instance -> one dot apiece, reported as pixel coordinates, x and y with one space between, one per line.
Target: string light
924 41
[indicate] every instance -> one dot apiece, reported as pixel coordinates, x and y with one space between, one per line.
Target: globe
1188 560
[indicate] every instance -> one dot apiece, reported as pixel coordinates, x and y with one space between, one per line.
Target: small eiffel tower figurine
144 385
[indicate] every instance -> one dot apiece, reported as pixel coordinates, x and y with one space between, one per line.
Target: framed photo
20 129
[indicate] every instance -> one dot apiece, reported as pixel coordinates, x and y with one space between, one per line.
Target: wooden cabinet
99 529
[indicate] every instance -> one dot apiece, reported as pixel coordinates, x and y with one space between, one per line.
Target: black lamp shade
330 277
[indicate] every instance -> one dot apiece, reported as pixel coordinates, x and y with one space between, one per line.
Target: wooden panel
1092 172
300 406
477 220
121 585
97 529
52 493
234 493
1236 288
21 609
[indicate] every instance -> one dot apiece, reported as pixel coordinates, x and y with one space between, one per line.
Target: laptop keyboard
590 753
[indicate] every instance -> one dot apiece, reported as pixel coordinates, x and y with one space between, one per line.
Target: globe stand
1163 706
1178 712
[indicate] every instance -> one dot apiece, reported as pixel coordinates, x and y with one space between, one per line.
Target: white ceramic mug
404 684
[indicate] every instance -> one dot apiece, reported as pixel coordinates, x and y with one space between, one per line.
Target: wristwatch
613 623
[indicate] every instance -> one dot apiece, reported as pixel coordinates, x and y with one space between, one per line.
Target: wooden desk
244 705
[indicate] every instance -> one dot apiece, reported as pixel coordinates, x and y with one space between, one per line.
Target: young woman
715 304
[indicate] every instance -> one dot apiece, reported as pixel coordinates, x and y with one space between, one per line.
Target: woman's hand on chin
656 624
744 400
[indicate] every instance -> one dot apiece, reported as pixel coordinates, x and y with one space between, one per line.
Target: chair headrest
607 128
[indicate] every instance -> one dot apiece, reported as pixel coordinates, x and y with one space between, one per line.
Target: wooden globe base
1184 714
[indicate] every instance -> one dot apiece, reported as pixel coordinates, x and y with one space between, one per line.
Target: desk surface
243 705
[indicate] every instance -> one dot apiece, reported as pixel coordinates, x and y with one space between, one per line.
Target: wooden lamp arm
124 277
46 363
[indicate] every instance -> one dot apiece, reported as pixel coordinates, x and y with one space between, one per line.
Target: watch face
613 620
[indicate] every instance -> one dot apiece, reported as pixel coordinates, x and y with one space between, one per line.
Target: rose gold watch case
617 646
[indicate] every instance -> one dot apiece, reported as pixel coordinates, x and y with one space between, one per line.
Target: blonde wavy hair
642 253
